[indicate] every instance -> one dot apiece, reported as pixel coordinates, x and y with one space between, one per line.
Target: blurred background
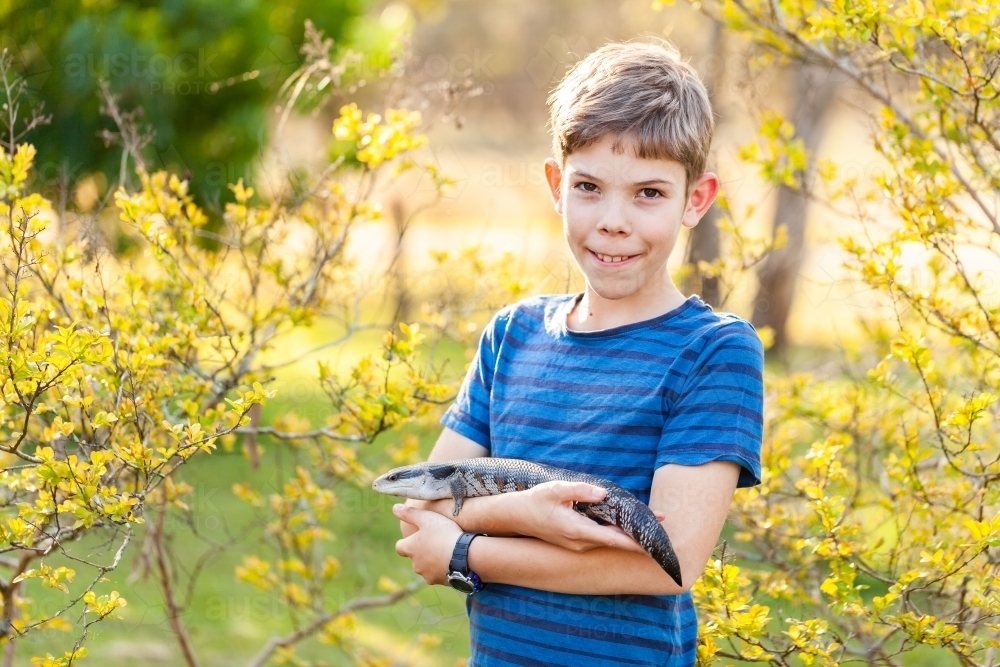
210 78
207 77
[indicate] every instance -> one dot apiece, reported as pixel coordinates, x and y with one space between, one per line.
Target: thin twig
355 605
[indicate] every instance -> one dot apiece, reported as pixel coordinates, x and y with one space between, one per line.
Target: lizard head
423 481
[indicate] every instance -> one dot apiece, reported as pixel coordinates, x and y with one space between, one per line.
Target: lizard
488 476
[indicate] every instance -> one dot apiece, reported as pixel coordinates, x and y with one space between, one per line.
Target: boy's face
622 215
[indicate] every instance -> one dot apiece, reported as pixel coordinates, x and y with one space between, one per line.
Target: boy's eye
587 186
650 193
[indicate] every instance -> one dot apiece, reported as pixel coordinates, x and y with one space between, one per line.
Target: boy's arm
449 445
544 511
481 517
695 501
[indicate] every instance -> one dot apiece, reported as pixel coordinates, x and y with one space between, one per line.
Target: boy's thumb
585 491
411 514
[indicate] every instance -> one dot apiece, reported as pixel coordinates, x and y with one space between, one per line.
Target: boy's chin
616 289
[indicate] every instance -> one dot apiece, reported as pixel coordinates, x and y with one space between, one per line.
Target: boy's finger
402 547
626 541
611 536
622 541
577 491
420 518
408 514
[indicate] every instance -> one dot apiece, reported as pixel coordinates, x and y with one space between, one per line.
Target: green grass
229 621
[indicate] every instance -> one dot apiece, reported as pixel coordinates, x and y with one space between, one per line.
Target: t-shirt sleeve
718 415
469 415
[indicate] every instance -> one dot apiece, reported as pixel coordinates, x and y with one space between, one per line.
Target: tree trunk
401 282
703 242
813 92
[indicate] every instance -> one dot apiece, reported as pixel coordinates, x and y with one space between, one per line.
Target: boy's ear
702 195
553 176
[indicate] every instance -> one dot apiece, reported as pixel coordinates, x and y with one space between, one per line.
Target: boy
629 380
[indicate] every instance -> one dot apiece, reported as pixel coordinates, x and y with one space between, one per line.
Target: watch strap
460 556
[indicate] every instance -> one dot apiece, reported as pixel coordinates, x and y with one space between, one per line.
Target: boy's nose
613 224
613 219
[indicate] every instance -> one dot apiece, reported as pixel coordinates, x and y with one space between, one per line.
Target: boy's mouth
611 260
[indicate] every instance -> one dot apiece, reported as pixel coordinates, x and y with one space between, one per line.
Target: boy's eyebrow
654 181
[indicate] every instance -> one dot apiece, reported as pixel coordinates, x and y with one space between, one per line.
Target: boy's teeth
612 258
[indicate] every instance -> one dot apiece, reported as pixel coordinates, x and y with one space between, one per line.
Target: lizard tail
654 539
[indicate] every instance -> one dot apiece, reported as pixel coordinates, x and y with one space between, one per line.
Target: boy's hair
641 93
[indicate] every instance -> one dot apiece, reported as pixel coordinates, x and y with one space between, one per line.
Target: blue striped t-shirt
685 387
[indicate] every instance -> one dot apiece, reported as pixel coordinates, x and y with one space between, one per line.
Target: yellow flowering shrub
876 527
116 371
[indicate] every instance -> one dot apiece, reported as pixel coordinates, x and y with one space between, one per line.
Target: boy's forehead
599 161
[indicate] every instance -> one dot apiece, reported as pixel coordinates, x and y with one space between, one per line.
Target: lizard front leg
457 492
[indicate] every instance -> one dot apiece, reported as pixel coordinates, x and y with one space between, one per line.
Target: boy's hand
546 512
407 529
430 544
512 506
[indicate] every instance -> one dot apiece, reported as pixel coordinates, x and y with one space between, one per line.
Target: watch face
459 582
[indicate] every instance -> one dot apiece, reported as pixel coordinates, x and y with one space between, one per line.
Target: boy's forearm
534 563
483 514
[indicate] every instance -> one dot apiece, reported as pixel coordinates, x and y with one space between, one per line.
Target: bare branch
315 626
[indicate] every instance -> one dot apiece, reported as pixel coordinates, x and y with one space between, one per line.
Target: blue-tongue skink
490 476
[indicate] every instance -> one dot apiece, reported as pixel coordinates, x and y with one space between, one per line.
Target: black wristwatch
460 577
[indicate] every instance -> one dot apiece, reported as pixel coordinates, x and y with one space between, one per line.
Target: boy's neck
594 312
